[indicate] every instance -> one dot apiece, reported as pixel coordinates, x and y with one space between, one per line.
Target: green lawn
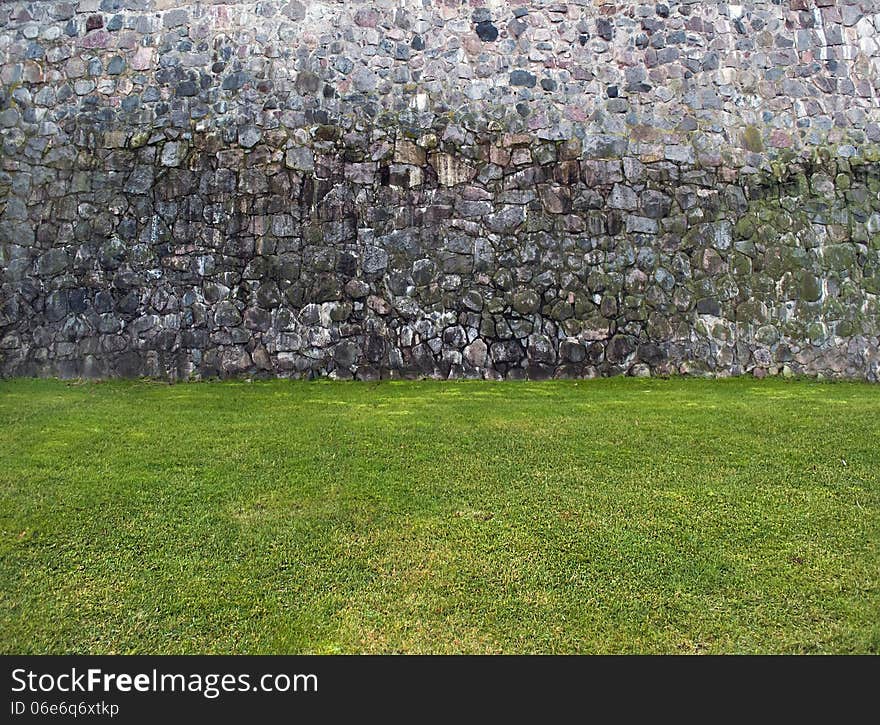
618 515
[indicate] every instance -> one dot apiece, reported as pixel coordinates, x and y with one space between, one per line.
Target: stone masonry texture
441 188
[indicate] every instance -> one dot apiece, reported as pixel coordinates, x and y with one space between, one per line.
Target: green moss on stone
751 139
741 265
745 227
809 287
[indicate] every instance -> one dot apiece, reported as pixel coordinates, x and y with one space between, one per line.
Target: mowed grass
621 515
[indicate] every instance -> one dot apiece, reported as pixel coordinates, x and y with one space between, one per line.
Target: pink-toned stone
96 39
780 139
499 156
366 17
577 113
142 59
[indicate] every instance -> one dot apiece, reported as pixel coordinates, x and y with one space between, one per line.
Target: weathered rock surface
436 189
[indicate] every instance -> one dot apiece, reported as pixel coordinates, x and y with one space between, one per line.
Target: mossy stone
817 332
751 311
741 265
838 256
526 302
751 138
871 282
845 328
745 227
809 287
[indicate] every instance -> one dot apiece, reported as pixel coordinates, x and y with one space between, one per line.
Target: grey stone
56 306
623 197
423 271
249 136
115 66
366 17
235 360
641 225
9 117
357 289
655 204
477 354
507 351
473 301
620 348
364 79
507 220
52 262
523 78
226 315
604 28
346 353
541 349
375 260
307 82
526 302
175 18
234 81
571 350
294 10
173 154
299 158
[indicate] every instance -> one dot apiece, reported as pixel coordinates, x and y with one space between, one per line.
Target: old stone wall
456 189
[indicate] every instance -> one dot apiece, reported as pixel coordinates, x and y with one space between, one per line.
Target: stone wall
478 189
